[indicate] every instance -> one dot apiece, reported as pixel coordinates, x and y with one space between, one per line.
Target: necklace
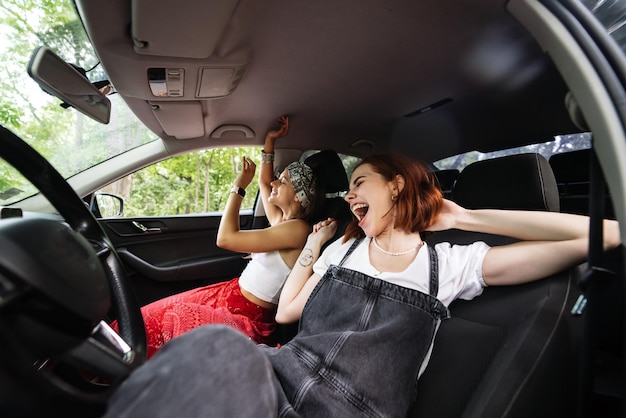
410 250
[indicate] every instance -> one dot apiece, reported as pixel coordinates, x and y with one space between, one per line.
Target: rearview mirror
60 79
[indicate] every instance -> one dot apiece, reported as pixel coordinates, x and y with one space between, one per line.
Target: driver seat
510 352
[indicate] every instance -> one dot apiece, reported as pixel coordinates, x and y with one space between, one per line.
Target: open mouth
360 210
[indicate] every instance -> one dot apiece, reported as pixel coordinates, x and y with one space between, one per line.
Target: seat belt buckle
579 306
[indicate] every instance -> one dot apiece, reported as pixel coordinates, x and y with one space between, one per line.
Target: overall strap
434 266
434 272
352 248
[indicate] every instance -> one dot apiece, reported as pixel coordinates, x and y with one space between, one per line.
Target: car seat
446 179
511 352
329 167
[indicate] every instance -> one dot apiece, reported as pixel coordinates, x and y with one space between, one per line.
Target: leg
209 371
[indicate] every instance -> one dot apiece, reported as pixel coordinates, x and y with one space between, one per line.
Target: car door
168 248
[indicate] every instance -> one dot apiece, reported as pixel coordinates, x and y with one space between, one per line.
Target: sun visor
182 120
160 27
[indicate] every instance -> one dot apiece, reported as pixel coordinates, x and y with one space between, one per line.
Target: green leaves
198 182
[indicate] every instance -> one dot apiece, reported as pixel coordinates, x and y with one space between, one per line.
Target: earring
394 197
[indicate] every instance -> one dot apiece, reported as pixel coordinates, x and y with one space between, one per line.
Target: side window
197 182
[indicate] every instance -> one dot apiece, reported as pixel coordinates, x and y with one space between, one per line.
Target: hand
324 230
246 174
283 130
448 216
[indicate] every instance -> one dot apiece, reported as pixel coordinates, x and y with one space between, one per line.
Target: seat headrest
329 167
572 166
446 179
522 181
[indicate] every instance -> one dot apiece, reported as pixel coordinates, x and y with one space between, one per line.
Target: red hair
420 201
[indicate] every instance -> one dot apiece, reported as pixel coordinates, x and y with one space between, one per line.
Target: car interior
492 95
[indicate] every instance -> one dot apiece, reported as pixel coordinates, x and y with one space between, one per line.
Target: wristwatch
241 192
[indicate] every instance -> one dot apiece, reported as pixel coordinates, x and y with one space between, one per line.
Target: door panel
166 255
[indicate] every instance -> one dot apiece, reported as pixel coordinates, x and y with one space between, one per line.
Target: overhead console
184 65
212 81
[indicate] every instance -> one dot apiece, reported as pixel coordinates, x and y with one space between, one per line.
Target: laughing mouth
360 210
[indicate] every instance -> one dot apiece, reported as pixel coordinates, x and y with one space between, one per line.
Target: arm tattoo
306 258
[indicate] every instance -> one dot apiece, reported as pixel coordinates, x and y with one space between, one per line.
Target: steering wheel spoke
104 353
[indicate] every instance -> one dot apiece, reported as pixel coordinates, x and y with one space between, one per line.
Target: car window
562 143
612 15
197 182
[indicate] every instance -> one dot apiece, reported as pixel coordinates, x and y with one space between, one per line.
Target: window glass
612 15
563 143
198 182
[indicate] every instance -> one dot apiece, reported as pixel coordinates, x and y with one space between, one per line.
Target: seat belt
595 275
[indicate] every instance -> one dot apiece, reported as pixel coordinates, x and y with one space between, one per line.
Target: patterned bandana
303 181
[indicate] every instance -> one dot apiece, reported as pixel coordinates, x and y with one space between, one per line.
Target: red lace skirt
220 303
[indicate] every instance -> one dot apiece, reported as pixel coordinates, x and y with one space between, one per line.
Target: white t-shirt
460 268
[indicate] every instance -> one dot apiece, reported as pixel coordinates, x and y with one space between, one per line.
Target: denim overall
360 346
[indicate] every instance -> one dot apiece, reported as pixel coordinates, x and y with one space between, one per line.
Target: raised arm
302 280
550 241
283 236
266 175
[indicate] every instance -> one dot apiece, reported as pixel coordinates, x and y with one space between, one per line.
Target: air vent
428 108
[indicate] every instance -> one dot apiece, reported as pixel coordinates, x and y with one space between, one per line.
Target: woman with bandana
247 303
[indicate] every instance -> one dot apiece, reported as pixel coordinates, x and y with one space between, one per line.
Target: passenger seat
446 179
329 167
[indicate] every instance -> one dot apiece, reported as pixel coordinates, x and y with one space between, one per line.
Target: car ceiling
352 74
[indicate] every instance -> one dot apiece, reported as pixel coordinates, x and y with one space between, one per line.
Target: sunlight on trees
198 182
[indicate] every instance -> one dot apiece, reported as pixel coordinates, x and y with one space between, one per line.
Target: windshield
71 141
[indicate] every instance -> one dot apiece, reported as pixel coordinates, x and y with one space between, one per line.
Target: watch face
241 192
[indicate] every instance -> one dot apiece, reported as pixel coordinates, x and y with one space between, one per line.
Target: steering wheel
58 281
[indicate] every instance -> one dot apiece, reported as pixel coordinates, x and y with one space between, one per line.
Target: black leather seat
511 352
329 167
572 173
446 179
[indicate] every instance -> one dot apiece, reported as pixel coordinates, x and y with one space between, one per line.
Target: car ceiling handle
145 229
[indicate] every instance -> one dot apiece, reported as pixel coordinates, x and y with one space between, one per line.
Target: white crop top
265 275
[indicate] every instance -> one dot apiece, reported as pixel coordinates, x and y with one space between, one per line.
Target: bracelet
267 157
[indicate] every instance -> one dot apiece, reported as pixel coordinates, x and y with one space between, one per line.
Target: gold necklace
391 253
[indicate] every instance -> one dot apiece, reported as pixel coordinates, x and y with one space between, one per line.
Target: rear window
562 143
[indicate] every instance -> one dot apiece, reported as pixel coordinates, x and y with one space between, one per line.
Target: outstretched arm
550 241
266 176
302 280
